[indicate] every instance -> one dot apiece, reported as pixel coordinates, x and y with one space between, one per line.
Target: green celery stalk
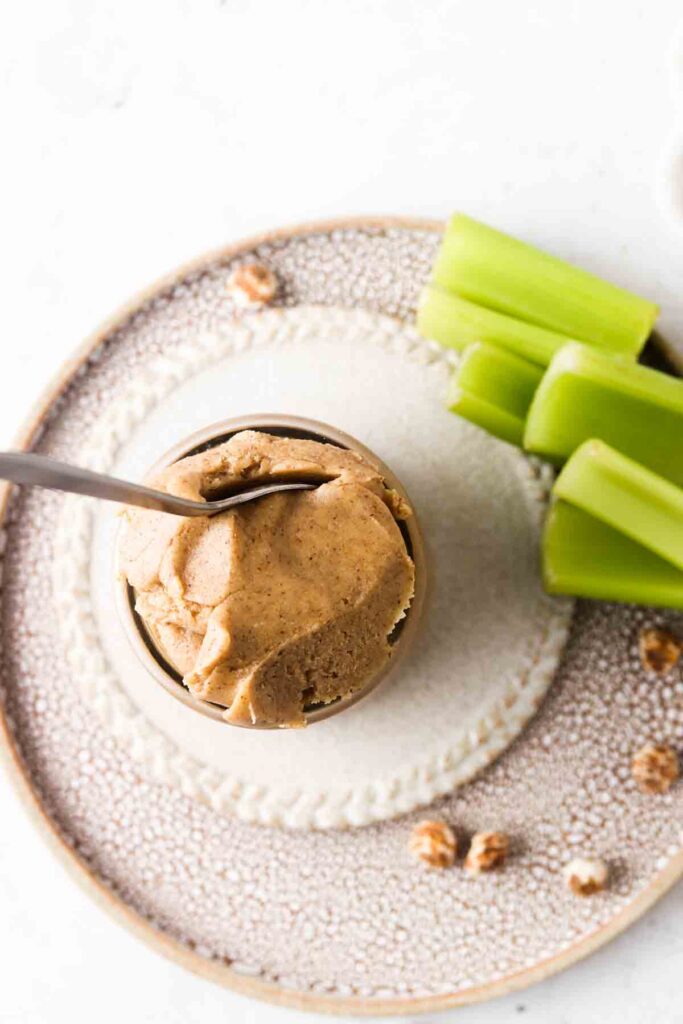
504 274
490 417
494 389
588 394
625 495
457 323
584 557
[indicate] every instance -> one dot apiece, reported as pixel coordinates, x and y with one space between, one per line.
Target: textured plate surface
464 691
337 920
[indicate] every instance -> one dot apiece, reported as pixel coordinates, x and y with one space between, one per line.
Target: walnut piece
659 650
252 284
487 850
655 768
434 843
586 876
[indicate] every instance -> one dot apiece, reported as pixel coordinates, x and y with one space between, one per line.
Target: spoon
40 471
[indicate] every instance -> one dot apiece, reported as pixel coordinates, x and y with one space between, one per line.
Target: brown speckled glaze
340 920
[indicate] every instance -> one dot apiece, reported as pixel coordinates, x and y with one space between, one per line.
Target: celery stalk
588 394
456 323
494 389
490 417
504 274
625 495
587 558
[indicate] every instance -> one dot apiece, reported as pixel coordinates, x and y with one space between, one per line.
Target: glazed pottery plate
280 867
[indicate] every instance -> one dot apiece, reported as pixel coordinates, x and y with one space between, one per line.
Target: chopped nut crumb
252 284
487 850
655 768
434 843
659 650
586 876
397 504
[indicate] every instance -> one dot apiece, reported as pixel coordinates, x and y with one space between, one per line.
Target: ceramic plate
338 920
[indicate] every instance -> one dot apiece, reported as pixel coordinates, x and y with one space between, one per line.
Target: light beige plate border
117 909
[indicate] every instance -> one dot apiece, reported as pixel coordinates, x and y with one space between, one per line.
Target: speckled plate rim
119 911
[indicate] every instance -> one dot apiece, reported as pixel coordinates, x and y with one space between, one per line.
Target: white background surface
138 133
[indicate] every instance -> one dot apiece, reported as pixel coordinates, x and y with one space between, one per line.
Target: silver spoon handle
41 471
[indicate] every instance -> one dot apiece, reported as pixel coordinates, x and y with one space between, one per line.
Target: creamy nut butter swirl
280 603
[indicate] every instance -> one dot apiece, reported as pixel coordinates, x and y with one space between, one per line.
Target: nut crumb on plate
434 843
487 850
586 876
655 768
252 284
659 650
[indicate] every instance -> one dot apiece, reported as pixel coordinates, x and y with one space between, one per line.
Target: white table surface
138 133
